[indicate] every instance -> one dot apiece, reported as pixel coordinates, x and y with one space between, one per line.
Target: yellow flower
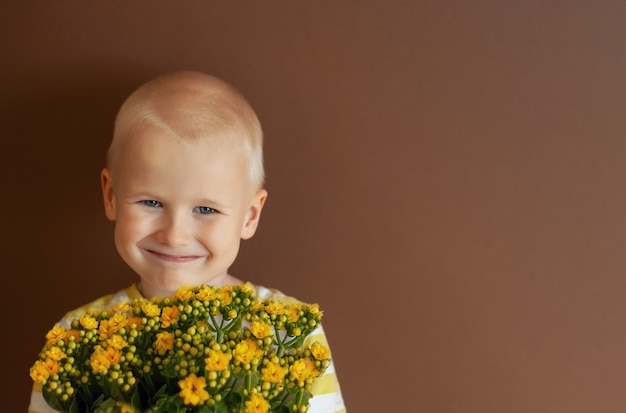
246 288
169 316
150 309
183 294
103 358
226 294
274 308
100 363
256 306
192 390
116 341
217 361
260 329
206 293
124 407
273 373
88 322
55 353
293 312
257 404
104 329
164 342
41 370
116 322
56 334
201 325
319 351
122 307
246 351
112 352
314 309
302 369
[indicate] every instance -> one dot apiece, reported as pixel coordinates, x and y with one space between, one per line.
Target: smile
173 258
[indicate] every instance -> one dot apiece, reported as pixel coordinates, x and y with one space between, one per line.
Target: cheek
219 234
131 227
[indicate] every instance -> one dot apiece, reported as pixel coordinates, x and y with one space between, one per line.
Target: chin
161 289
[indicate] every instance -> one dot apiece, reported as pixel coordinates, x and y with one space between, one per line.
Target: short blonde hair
193 105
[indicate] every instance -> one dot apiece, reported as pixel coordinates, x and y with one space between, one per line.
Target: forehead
190 117
156 157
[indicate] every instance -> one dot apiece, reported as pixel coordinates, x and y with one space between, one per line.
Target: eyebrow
213 203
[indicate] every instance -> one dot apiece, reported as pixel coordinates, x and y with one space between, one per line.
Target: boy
184 185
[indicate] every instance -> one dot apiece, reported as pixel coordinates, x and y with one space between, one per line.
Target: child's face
181 209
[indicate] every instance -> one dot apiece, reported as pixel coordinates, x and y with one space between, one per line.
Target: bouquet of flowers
205 349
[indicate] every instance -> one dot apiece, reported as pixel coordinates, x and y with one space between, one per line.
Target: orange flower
134 321
71 333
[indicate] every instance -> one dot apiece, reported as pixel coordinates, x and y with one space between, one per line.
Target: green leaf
74 407
169 371
220 407
136 401
53 401
205 409
107 406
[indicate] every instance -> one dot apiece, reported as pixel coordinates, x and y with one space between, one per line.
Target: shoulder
102 303
265 293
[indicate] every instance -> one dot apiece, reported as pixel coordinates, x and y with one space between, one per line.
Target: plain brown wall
446 179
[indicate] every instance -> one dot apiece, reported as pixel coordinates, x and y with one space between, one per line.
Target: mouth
171 257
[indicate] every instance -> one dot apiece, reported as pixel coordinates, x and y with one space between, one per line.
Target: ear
108 194
253 215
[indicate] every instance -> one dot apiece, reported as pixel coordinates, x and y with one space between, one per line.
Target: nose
175 230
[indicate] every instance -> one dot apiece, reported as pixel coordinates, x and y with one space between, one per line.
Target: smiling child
184 185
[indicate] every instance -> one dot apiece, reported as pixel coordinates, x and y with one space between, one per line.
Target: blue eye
204 210
151 203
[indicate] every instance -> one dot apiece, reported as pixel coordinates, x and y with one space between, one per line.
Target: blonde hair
193 105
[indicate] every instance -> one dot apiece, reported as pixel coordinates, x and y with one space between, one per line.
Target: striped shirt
327 397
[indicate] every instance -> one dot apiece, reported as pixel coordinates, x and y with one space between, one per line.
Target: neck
219 281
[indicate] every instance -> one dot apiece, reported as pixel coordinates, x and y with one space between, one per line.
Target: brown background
446 179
